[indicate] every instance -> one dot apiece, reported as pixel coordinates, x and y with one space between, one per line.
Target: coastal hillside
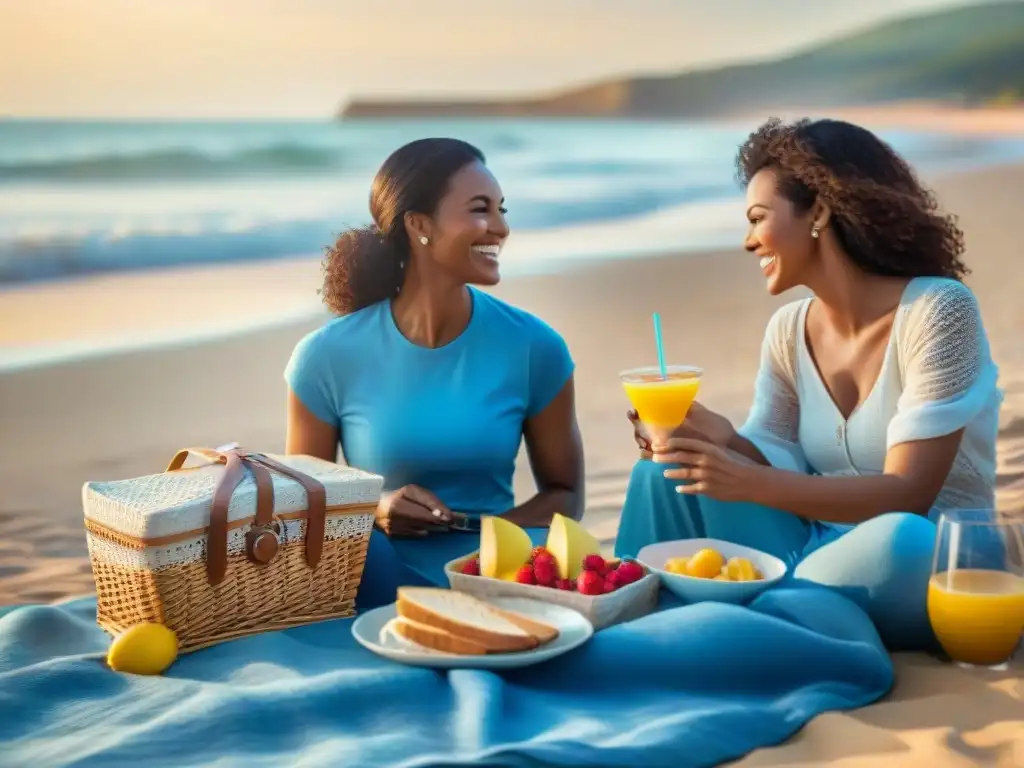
970 55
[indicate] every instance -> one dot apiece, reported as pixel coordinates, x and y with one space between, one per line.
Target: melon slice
569 542
504 548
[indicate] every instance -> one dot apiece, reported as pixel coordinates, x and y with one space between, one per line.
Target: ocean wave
176 164
80 199
57 256
641 229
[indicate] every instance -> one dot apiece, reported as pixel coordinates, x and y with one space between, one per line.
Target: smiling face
779 234
469 228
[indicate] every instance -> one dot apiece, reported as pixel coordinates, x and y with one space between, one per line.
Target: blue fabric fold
685 686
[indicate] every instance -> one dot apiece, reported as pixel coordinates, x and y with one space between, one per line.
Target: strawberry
567 585
525 575
471 567
612 581
545 571
593 563
540 552
544 557
590 583
629 572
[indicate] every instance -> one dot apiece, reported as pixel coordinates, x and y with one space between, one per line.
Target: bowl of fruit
567 570
699 570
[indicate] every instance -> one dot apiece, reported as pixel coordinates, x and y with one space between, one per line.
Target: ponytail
363 267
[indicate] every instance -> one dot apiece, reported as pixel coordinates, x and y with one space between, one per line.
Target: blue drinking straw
661 347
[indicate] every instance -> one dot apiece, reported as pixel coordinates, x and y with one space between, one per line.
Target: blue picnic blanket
685 686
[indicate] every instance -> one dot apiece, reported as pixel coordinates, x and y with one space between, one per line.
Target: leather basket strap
217 534
182 456
264 489
237 461
316 505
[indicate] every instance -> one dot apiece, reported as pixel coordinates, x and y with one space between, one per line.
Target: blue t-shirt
448 419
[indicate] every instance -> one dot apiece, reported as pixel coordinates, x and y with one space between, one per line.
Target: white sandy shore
923 115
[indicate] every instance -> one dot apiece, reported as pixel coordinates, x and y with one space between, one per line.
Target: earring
815 232
401 265
423 239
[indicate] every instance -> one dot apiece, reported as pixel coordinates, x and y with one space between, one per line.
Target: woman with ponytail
427 380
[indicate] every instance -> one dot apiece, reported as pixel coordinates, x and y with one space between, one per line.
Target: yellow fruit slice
677 565
569 542
504 548
143 649
706 564
741 569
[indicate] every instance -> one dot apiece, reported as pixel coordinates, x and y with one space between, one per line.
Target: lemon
706 564
677 565
143 649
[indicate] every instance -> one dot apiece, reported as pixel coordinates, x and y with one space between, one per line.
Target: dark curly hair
367 264
882 217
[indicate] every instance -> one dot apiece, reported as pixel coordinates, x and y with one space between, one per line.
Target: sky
303 58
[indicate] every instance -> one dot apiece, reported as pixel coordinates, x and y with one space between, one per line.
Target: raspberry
629 572
471 567
590 583
539 552
567 585
593 563
545 572
525 575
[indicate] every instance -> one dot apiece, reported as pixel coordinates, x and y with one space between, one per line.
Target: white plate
573 631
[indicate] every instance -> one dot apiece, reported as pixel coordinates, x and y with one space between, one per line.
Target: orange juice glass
976 592
661 403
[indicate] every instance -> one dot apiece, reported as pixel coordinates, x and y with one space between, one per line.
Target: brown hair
366 265
882 216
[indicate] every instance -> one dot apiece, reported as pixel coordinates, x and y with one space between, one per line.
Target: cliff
965 55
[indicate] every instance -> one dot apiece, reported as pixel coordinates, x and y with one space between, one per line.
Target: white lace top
937 376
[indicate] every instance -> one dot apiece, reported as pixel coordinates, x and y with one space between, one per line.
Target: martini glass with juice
661 402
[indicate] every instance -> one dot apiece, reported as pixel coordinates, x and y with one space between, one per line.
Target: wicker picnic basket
244 543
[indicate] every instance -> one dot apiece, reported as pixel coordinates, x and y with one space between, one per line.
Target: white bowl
694 590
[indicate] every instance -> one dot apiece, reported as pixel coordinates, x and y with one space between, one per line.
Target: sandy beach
124 415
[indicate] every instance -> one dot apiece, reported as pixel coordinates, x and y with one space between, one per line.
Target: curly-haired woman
428 381
876 404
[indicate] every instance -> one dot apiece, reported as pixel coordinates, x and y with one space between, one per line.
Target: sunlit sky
304 58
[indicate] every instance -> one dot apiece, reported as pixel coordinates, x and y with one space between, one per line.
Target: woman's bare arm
911 481
307 435
555 448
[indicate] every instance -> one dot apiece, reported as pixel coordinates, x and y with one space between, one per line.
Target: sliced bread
472 619
544 633
436 639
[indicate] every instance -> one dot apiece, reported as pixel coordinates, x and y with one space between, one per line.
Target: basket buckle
262 542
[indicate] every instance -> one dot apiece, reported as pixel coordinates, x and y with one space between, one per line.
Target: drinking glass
976 592
661 402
